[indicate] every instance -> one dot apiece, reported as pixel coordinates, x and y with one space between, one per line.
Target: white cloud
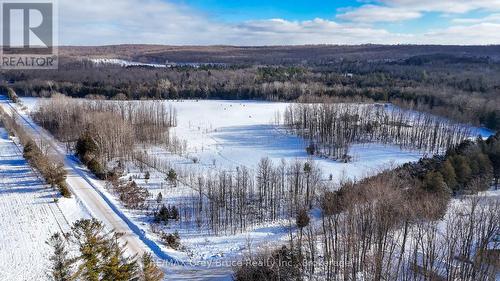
97 22
317 31
373 13
476 34
130 21
493 18
444 6
401 10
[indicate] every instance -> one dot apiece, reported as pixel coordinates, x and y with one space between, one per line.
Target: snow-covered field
28 216
233 133
227 134
126 63
123 63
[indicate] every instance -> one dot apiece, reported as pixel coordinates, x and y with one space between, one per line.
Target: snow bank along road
87 193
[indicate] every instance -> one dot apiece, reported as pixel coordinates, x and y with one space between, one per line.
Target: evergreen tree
493 151
116 266
172 177
449 175
86 148
61 269
482 164
302 220
434 182
101 256
159 198
462 169
150 271
90 239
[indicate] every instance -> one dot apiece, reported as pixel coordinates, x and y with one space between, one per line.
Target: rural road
81 185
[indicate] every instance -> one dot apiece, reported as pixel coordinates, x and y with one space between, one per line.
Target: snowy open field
227 134
28 216
232 133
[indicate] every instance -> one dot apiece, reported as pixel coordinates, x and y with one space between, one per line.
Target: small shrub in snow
53 172
64 190
172 240
172 177
281 264
132 195
96 168
166 213
159 198
311 149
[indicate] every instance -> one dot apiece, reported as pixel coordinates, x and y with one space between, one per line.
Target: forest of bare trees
400 225
230 202
332 128
113 129
224 202
379 235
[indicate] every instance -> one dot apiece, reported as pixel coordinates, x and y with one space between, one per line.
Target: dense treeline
383 237
147 122
397 225
99 256
102 131
286 54
49 167
332 128
465 88
384 230
467 168
380 234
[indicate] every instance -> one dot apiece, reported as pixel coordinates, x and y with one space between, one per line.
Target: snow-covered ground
222 135
126 63
233 133
225 134
123 63
28 216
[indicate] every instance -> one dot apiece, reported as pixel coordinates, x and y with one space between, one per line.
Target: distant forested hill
459 82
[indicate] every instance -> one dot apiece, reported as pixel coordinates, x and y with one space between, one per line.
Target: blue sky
237 10
273 22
